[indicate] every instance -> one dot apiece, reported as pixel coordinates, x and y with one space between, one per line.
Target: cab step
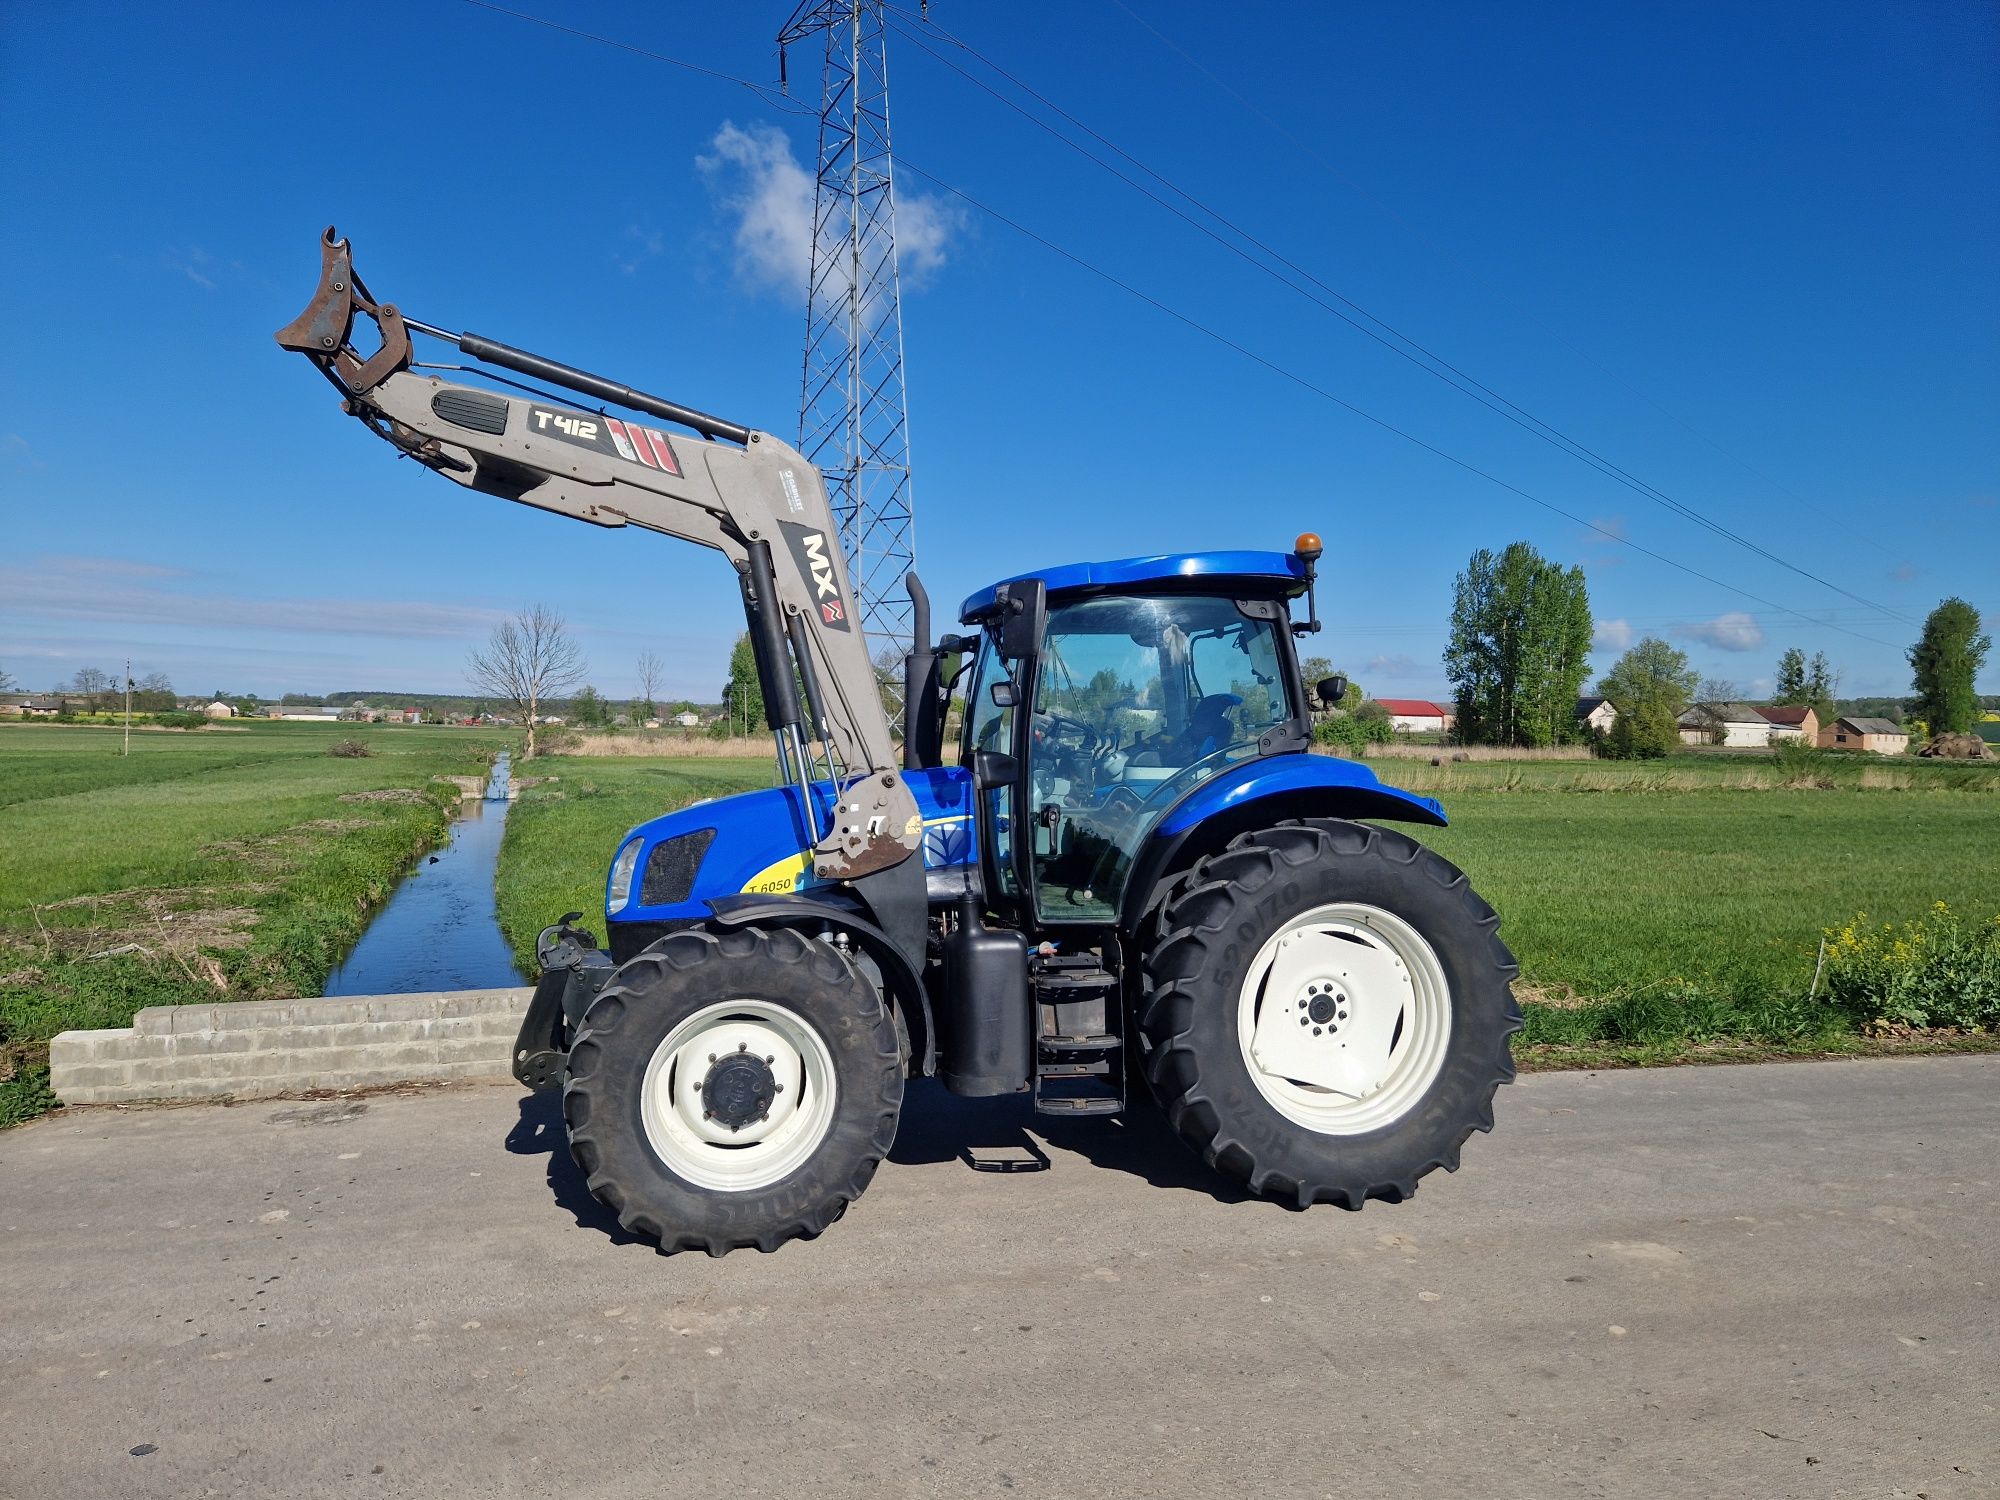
1079 1055
1081 1104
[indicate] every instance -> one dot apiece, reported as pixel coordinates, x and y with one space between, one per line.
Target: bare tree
1718 690
651 670
529 659
6 682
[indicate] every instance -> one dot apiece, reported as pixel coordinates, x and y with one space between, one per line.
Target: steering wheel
1086 736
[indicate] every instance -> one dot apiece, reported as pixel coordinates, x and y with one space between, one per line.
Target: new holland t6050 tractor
1128 880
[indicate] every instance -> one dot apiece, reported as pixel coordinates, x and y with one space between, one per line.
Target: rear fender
1256 794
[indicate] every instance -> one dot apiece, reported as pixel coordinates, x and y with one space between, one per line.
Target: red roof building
1416 714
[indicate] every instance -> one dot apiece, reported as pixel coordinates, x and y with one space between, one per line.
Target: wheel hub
738 1089
1343 1017
1324 1006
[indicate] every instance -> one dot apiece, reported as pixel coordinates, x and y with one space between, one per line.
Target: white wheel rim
1344 1018
704 1151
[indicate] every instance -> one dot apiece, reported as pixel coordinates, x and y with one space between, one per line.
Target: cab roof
1271 572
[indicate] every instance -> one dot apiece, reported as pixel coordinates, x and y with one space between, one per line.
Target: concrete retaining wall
258 1048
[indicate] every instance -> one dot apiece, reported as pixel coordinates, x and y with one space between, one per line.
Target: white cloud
1734 631
18 451
120 591
1612 635
761 183
1397 665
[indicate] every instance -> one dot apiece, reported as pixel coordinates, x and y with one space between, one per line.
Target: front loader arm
744 493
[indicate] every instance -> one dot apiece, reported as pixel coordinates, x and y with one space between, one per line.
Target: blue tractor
1122 878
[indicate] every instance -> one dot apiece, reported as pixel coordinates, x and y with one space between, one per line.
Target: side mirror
1002 694
1021 610
1332 690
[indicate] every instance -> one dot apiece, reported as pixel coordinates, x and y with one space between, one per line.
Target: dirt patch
1554 996
401 794
174 922
321 1114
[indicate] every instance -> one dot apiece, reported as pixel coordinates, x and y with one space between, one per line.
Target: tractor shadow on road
938 1126
540 1132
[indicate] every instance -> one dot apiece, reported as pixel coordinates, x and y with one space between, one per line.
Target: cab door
991 754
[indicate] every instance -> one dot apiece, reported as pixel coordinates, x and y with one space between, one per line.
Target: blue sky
1747 253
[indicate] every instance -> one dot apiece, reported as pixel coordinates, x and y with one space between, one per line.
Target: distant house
1878 736
1596 714
28 706
1737 726
688 720
309 713
218 710
1800 724
1416 715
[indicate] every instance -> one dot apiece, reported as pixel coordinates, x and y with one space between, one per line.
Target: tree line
1518 656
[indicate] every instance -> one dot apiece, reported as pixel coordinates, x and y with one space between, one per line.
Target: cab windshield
1137 699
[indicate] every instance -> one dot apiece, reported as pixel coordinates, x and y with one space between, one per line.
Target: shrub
1801 764
1646 730
349 749
1343 731
1939 970
178 720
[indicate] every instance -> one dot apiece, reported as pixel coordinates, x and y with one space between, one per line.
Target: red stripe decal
625 438
666 454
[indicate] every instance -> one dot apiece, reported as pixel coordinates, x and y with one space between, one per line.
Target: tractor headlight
619 894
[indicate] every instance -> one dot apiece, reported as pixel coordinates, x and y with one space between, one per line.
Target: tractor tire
733 1088
1327 1011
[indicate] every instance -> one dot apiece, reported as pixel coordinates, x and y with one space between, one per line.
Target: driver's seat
1209 728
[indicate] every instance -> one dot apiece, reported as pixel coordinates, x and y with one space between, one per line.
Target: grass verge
562 833
202 867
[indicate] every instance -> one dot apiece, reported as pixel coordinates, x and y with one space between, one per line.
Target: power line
1348 406
1211 333
768 93
1397 342
1306 149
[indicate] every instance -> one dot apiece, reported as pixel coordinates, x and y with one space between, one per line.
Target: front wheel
730 1089
1327 1012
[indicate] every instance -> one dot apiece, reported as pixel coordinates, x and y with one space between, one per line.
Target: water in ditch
441 928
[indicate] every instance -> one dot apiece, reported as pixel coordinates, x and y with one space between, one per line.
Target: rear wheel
1327 1012
733 1089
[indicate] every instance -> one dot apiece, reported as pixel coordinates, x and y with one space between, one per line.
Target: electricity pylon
853 413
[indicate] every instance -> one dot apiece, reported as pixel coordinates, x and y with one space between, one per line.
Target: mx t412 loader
1127 880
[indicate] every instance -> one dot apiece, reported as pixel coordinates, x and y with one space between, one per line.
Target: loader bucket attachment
324 331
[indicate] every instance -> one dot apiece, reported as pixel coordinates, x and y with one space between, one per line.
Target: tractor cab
1102 694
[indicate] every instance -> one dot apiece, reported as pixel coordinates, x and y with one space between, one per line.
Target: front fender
814 913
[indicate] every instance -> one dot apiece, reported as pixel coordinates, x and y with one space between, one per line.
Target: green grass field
561 835
244 861
1650 905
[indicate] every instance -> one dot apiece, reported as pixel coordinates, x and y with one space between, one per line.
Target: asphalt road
1758 1281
